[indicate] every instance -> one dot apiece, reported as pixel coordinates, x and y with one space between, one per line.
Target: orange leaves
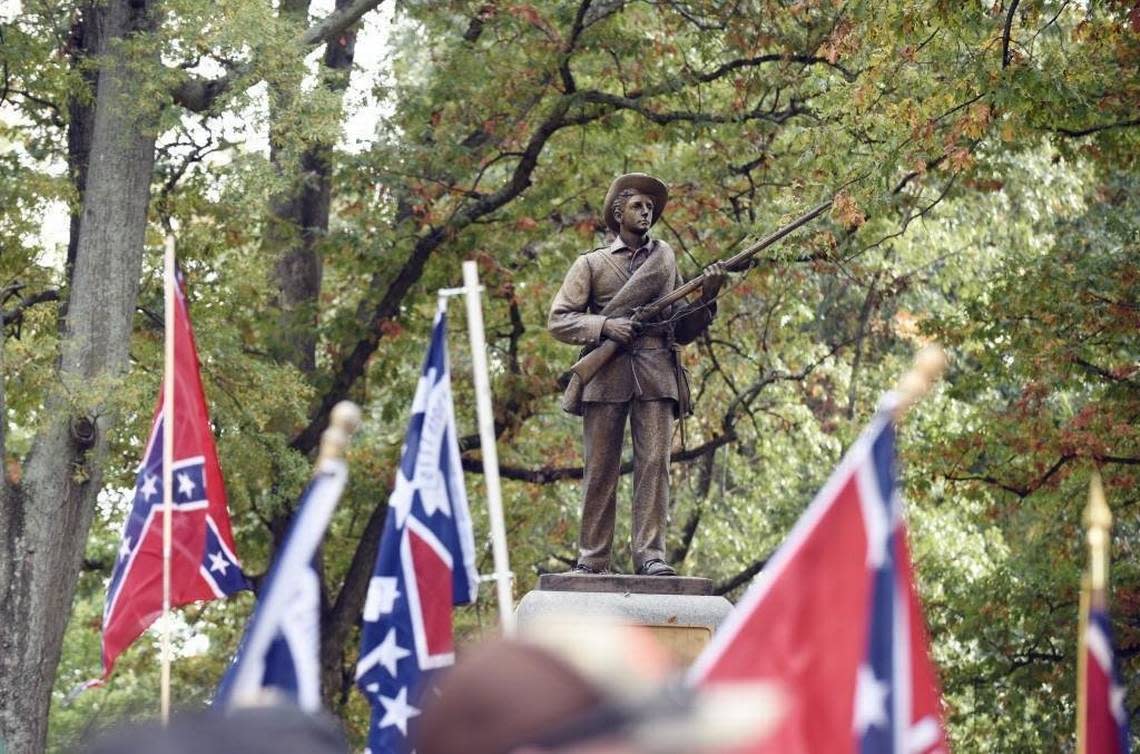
586 228
990 185
839 43
908 326
973 124
528 13
960 158
845 210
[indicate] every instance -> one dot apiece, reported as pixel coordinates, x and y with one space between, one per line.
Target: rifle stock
589 365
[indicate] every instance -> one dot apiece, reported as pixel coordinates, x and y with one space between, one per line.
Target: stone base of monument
681 612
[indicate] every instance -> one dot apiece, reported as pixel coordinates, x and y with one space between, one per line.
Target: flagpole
1082 665
167 464
929 365
1098 521
486 417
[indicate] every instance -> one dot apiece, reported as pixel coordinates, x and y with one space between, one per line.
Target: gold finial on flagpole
929 365
1098 520
343 423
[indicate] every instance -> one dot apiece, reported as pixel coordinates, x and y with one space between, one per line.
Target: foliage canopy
986 156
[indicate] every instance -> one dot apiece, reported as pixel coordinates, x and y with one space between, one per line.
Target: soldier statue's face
637 215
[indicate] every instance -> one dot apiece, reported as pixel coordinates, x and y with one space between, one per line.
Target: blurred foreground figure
596 688
256 730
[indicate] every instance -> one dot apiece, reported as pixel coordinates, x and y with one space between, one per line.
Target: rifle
589 365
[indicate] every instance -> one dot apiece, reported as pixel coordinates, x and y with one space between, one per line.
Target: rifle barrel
733 262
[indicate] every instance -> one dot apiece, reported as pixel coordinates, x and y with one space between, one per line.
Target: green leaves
990 208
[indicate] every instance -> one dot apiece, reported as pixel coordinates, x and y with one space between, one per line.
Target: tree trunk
47 513
301 221
83 46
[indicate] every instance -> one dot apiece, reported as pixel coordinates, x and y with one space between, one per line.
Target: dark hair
255 730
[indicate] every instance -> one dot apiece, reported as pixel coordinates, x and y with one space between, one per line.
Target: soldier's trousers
651 426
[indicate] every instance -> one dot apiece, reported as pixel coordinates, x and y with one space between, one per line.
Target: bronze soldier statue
644 382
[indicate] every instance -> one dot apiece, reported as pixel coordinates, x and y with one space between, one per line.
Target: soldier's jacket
648 367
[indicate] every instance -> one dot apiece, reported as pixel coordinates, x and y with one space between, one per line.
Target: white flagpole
503 574
167 465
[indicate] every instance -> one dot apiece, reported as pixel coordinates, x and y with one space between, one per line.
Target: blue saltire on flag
425 566
279 656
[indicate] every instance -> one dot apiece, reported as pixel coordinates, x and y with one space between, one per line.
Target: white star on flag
149 486
218 562
185 485
1116 702
386 653
125 547
382 594
397 711
401 499
870 700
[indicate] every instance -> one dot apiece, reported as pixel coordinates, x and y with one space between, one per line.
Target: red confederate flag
834 618
204 564
1105 724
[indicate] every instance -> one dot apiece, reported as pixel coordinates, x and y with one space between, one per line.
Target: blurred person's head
279 729
585 688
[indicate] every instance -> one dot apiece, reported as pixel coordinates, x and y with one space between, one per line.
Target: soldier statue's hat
641 183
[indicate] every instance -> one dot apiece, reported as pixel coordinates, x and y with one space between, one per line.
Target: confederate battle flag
204 564
835 620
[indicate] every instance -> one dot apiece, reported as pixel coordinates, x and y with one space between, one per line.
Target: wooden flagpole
929 364
1082 664
167 466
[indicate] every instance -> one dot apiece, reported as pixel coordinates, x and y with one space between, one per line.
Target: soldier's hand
621 329
714 279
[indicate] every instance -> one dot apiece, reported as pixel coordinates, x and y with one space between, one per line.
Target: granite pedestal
681 612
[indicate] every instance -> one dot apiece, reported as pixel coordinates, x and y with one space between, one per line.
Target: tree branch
679 83
639 106
352 367
743 577
199 94
1102 372
354 588
1005 59
334 23
15 315
568 85
688 532
1078 132
552 474
1021 490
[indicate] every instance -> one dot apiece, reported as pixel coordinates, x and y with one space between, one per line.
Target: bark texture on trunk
46 515
300 216
84 45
